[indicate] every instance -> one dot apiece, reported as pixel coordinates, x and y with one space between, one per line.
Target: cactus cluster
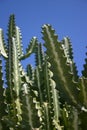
48 96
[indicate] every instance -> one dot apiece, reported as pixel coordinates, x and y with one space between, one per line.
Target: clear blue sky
68 17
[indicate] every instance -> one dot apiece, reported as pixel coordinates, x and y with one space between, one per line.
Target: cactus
48 96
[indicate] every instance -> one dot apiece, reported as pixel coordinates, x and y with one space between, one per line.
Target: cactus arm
47 117
3 105
1 90
39 55
69 54
14 84
11 27
29 99
38 82
46 89
30 72
39 61
2 44
47 92
55 102
52 94
18 37
27 107
16 65
62 69
76 119
83 91
30 49
9 62
69 117
83 85
68 48
30 119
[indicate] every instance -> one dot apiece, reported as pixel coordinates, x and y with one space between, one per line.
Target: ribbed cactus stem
2 47
55 53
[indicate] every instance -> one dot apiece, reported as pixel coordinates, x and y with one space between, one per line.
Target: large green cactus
72 88
50 96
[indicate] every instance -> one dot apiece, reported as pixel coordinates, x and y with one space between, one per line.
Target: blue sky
68 18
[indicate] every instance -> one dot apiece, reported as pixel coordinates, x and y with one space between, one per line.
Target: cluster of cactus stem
48 96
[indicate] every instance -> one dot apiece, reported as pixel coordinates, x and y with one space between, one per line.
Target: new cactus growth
49 96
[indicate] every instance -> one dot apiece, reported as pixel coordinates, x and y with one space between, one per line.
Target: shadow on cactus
49 96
